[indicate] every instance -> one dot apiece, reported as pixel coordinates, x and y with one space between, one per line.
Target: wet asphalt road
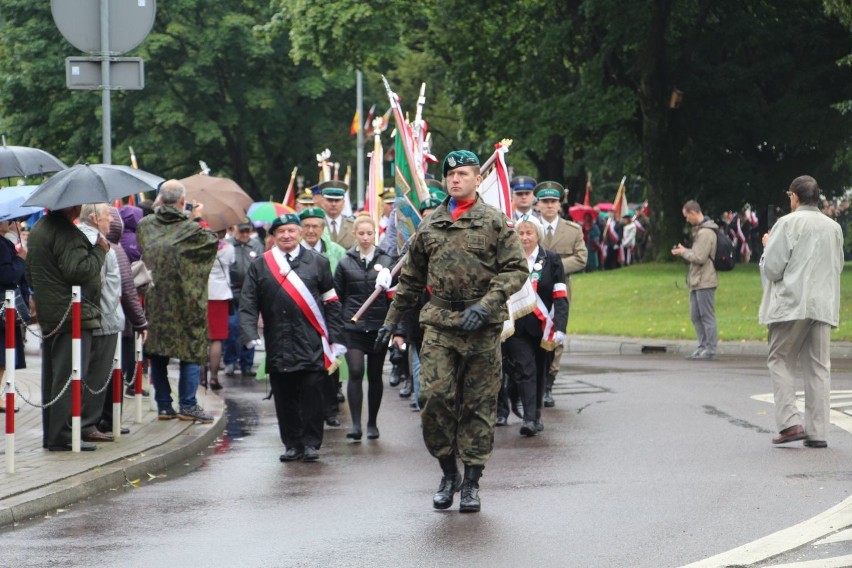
647 461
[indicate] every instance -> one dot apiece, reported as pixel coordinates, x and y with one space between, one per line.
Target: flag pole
401 125
504 143
289 192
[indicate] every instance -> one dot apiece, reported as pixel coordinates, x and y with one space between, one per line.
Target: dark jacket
292 344
134 315
243 258
12 268
60 256
355 283
551 273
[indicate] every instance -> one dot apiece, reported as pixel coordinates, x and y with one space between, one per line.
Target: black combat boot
407 387
469 501
548 392
450 483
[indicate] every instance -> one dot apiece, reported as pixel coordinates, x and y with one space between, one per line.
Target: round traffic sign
130 22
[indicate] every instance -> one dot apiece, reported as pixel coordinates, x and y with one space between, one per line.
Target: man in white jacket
801 303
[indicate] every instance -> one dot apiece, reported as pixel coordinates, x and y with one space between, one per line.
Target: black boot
394 376
548 392
450 483
469 501
407 387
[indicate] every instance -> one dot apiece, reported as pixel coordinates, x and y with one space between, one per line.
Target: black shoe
469 500
548 399
84 447
332 421
518 409
104 427
406 389
501 421
539 425
528 428
292 454
340 397
816 443
311 454
450 484
354 434
247 372
215 385
372 433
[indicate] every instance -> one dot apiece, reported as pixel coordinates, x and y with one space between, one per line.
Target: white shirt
531 259
317 247
281 259
552 225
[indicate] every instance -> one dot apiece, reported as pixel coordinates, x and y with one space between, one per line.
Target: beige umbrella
225 202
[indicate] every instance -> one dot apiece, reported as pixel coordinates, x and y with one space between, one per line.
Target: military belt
454 305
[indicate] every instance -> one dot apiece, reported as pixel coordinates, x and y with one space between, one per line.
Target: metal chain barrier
46 404
102 389
55 331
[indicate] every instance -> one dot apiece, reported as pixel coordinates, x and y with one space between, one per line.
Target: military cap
436 189
549 190
429 203
306 197
522 183
457 159
284 219
389 195
311 212
334 189
245 224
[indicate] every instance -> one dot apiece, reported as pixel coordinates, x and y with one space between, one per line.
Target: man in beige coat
565 238
702 279
801 267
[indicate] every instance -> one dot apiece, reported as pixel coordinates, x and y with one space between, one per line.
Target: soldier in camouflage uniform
470 257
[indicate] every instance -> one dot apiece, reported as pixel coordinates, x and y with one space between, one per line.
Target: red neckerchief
461 206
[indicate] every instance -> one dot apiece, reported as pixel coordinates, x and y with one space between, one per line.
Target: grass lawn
651 300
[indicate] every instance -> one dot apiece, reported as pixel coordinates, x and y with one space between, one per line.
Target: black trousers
524 364
299 405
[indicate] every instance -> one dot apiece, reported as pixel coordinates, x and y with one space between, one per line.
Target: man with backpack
702 279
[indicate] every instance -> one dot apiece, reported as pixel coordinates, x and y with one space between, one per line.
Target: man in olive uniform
339 227
565 238
468 254
304 200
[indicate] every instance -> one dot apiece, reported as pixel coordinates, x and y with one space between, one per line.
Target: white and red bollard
117 390
9 305
76 364
137 389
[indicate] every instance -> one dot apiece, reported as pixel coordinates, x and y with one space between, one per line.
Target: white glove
338 349
559 338
383 279
253 343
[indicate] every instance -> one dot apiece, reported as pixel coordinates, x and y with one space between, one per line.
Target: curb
111 475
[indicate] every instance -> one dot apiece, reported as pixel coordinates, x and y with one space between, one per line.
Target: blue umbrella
12 199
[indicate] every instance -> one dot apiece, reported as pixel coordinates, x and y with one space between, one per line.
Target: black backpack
725 258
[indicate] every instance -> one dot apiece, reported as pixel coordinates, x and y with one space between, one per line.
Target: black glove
474 317
383 336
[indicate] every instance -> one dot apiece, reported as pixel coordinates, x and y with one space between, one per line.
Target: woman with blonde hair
358 274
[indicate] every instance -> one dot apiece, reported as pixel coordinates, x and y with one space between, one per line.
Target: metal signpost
104 29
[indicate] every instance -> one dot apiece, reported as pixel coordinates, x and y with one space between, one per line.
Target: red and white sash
295 288
545 316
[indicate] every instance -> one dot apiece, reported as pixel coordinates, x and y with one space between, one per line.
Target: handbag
142 277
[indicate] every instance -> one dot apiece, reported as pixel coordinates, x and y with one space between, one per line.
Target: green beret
334 189
457 159
549 190
430 203
285 219
311 212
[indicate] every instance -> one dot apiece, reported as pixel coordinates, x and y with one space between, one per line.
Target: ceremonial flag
368 122
290 195
619 204
376 183
405 150
494 189
356 123
587 200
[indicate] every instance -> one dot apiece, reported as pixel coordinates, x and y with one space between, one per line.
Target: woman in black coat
354 281
12 264
527 353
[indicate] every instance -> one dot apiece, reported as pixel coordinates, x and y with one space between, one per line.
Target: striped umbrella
267 211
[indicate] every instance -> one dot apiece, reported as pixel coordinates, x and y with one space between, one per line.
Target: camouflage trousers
459 381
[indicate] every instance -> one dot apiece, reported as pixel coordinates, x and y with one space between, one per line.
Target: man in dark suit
292 288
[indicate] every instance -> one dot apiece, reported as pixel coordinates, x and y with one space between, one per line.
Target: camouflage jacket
476 259
179 253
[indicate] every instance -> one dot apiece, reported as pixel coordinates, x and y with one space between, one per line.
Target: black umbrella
91 183
23 161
